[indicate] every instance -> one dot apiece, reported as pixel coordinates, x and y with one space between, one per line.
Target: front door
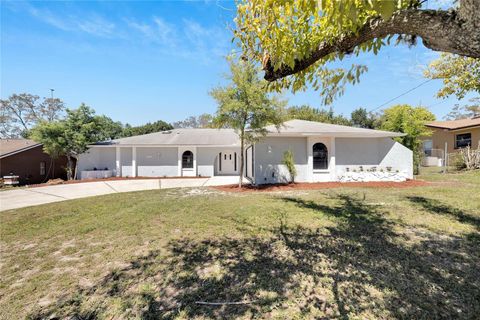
227 163
188 169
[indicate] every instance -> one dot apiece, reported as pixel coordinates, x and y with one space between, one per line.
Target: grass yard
345 253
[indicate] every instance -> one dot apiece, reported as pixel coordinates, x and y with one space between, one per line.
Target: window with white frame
42 168
320 156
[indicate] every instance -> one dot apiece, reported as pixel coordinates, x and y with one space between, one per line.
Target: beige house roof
455 124
311 128
9 147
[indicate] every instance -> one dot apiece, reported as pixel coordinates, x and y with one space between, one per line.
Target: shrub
457 161
470 158
289 162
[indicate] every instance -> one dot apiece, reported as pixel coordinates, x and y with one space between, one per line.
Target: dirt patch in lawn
324 185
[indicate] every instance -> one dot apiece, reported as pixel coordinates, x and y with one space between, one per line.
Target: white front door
227 162
188 164
321 159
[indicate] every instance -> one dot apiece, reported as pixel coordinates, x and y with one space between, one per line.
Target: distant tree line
20 113
204 120
68 132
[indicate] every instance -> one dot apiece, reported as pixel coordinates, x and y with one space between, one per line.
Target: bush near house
289 162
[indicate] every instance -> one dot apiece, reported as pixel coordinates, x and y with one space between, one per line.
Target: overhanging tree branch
448 31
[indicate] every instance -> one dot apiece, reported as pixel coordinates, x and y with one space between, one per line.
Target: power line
401 95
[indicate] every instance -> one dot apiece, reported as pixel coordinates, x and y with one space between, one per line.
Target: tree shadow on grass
436 207
358 268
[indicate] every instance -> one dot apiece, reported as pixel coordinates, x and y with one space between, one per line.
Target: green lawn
345 253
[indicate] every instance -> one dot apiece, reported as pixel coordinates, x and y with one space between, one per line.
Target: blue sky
141 61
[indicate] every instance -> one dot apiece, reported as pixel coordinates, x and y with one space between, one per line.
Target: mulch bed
323 185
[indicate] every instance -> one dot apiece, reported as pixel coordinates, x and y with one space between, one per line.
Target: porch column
134 161
179 161
333 169
194 150
118 159
309 160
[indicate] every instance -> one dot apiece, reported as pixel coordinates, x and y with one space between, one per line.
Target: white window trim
329 142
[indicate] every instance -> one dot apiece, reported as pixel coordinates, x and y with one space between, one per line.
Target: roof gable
455 124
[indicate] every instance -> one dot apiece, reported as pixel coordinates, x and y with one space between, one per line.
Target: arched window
187 159
320 156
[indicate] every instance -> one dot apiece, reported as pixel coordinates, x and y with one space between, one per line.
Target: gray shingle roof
305 128
191 137
228 137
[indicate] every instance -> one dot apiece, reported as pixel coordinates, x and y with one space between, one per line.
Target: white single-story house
322 152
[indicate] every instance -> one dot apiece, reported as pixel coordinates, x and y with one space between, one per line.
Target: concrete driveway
20 198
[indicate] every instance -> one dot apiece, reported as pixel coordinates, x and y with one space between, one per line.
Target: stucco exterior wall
269 156
157 162
396 156
440 136
126 161
380 153
99 158
207 160
356 152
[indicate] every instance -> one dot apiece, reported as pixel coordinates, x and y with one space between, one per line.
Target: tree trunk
76 169
453 31
242 160
69 167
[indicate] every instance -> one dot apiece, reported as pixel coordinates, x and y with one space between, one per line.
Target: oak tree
297 41
71 136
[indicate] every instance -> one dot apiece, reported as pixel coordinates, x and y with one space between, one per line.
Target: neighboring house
450 136
26 159
322 152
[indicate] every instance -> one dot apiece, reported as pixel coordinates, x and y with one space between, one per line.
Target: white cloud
186 38
208 43
189 39
166 32
96 25
92 24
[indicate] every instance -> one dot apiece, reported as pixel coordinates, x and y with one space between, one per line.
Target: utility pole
51 93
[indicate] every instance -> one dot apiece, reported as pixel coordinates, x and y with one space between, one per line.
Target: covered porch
159 161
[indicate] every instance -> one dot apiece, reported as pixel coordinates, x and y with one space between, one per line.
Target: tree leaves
409 120
20 112
290 30
460 75
245 103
